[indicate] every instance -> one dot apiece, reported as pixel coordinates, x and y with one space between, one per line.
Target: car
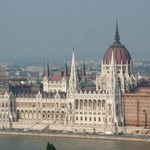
109 133
26 129
65 131
100 133
121 133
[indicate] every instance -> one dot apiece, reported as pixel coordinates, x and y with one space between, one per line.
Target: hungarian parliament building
68 102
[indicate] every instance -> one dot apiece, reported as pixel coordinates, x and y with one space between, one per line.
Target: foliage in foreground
50 146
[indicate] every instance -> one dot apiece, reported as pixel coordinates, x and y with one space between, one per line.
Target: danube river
39 143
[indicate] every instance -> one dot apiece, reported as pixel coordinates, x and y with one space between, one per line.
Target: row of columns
90 104
41 115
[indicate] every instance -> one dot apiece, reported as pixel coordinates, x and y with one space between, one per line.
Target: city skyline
33 31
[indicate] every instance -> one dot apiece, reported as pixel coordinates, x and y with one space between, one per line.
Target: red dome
120 53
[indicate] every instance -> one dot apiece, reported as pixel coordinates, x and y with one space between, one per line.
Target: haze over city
74 74
35 30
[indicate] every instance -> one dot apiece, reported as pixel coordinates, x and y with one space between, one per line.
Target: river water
39 143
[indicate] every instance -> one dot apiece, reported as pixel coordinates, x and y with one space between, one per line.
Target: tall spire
117 36
47 72
65 69
73 79
84 72
112 71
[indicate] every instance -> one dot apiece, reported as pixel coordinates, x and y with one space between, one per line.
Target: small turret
84 72
65 75
47 72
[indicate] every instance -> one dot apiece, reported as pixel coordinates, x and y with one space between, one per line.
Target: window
76 118
94 118
85 118
99 119
90 119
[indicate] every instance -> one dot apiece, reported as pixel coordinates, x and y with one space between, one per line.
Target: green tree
50 146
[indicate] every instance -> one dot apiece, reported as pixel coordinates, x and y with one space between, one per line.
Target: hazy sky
33 30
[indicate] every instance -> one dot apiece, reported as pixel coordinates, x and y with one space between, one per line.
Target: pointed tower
122 60
117 36
84 72
46 77
79 75
114 90
73 76
112 71
65 75
47 72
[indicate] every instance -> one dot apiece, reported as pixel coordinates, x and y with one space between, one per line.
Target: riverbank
77 135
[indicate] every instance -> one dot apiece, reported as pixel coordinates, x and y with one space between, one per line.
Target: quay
138 138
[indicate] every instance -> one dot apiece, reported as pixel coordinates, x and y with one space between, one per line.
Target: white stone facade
53 86
72 108
127 80
64 103
7 109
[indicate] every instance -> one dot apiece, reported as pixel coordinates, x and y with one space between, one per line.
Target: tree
50 146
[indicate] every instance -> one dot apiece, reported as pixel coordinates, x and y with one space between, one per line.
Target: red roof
56 77
120 53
